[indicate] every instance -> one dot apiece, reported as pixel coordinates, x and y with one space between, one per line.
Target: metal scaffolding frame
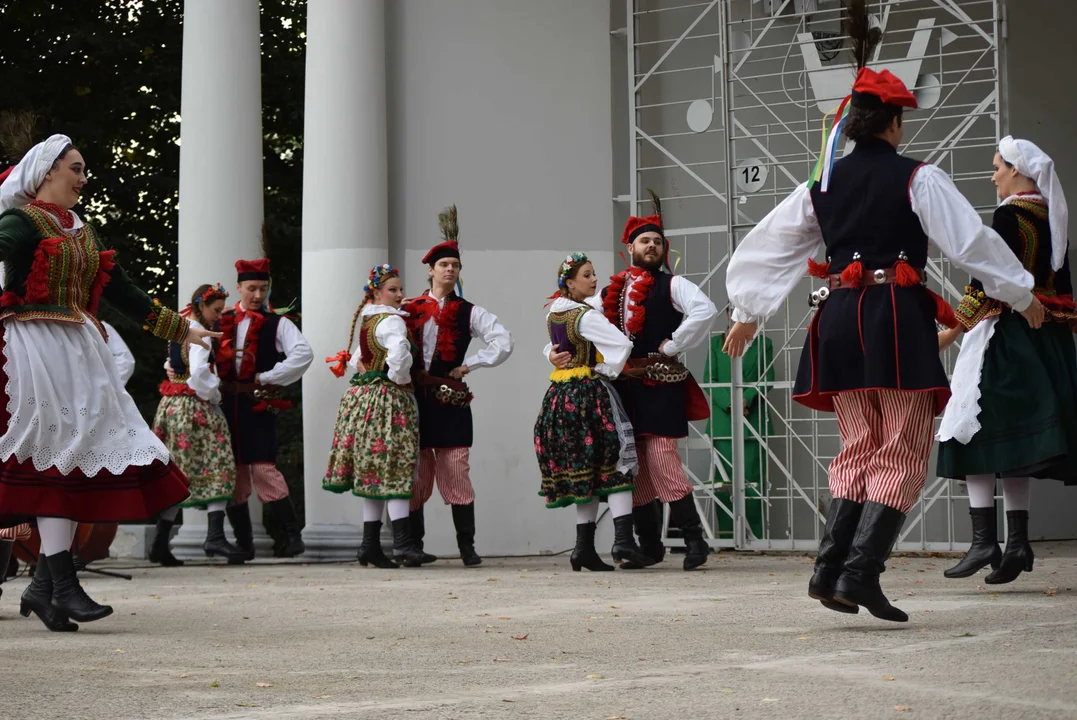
722 88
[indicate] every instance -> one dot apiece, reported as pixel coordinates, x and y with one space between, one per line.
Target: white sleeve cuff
1023 304
742 317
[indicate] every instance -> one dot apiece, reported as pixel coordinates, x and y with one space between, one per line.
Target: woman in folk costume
1014 410
376 440
190 423
74 447
583 438
871 355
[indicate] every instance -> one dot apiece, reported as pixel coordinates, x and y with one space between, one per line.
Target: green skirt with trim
1028 407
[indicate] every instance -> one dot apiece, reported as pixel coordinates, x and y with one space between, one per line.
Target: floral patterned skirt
376 440
197 436
583 442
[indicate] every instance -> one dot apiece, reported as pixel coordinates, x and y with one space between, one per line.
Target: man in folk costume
444 324
259 352
871 355
664 315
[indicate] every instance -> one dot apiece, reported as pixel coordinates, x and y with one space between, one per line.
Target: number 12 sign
751 175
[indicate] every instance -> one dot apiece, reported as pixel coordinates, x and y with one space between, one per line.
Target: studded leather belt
884 276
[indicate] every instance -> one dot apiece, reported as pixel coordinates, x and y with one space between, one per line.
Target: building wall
502 107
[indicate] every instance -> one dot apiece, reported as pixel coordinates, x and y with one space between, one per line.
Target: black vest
875 336
867 209
447 426
254 435
654 409
177 359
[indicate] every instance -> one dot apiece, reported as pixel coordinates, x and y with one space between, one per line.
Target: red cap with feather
252 270
450 244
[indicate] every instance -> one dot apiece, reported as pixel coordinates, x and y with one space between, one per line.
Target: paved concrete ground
528 638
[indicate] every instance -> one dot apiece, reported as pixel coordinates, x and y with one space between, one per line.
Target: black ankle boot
984 550
841 521
418 532
217 544
1018 556
584 554
647 520
239 517
370 552
159 551
859 584
68 597
684 515
290 541
404 550
463 517
37 598
624 544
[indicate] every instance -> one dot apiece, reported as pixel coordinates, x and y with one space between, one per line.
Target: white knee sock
217 506
981 490
170 514
1017 493
399 509
587 512
620 503
373 510
56 534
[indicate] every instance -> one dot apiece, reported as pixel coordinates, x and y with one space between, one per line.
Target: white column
345 230
220 211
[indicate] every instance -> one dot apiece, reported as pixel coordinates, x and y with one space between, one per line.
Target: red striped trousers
449 468
886 440
660 473
265 478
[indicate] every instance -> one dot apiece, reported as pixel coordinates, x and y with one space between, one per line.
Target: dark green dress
1028 384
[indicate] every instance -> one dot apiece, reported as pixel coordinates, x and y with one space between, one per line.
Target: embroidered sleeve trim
975 306
166 323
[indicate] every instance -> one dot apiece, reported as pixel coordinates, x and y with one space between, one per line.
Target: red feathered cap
636 226
252 269
874 89
449 248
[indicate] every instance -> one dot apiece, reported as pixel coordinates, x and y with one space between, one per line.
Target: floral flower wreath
378 275
571 261
212 293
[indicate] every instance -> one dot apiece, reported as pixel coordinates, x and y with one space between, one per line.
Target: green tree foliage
108 74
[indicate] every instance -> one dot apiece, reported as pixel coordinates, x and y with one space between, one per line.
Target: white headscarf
26 177
1038 166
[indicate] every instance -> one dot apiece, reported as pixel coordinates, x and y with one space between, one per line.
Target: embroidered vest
259 353
564 330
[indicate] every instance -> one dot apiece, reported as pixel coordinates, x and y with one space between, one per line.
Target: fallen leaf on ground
902 708
320 697
595 676
727 691
615 607
264 684
491 579
501 659
1050 592
888 678
770 699
804 638
503 617
520 637
184 675
961 635
120 651
213 684
507 700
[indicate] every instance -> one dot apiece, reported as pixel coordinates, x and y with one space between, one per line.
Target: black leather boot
405 551
1018 556
291 541
370 552
647 520
159 551
984 550
584 554
418 532
37 598
239 517
463 517
217 544
68 597
624 544
859 584
841 521
684 515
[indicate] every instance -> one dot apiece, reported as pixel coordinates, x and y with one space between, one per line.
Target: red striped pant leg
268 482
668 478
423 487
643 490
899 468
242 491
860 427
454 476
